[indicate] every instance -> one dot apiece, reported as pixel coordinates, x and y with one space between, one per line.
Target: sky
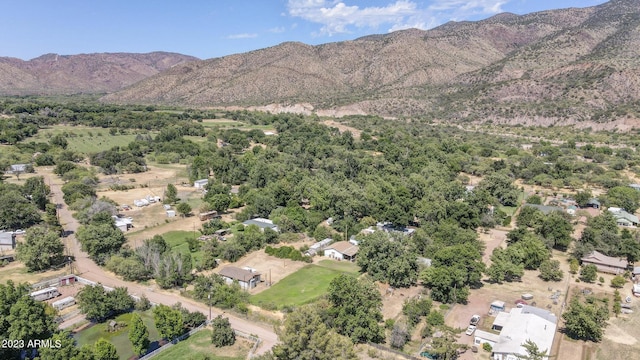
215 28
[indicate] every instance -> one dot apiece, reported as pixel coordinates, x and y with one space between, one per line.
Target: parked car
475 319
470 330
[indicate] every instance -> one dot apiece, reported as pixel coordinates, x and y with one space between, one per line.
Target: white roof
485 335
43 291
521 327
63 301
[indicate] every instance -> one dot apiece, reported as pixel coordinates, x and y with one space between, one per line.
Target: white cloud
242 36
336 16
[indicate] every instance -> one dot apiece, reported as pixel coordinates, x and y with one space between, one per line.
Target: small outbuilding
7 240
497 306
200 184
171 213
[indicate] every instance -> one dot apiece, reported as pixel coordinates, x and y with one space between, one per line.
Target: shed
636 290
497 306
200 184
171 213
7 240
593 203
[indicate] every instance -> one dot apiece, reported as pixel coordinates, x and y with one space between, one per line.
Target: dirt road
88 269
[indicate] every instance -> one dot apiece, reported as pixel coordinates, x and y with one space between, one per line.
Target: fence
184 336
173 342
255 339
67 316
53 281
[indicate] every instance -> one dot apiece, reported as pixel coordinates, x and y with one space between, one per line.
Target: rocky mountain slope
85 73
557 67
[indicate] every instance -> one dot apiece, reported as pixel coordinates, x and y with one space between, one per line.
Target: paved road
88 269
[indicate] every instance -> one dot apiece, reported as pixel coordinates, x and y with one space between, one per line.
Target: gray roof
619 213
344 247
599 258
261 223
7 238
593 202
237 273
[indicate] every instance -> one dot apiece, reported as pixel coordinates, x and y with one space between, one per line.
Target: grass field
118 338
305 285
177 241
85 139
199 347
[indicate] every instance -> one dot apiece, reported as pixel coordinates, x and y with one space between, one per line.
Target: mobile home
64 303
45 294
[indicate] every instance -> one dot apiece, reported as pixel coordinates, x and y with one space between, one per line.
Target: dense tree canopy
41 249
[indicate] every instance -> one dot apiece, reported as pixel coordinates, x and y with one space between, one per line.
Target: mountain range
556 67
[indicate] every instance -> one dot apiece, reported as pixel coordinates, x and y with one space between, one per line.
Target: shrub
487 347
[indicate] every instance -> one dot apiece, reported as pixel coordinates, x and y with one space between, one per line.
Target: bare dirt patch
392 301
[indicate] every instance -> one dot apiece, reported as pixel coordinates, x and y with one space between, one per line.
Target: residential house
7 240
247 278
623 218
200 184
606 264
519 325
262 224
342 250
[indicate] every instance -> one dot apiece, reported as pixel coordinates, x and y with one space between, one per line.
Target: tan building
606 264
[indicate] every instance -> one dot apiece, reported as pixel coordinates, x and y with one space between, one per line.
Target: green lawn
199 347
118 338
305 285
85 139
176 240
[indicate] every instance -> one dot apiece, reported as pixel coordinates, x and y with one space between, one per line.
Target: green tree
585 321
16 211
550 270
104 350
29 320
533 352
220 202
556 230
138 335
66 351
222 333
618 282
92 301
100 240
583 197
387 260
41 249
306 336
184 209
574 266
170 194
168 321
447 284
589 273
355 309
624 197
